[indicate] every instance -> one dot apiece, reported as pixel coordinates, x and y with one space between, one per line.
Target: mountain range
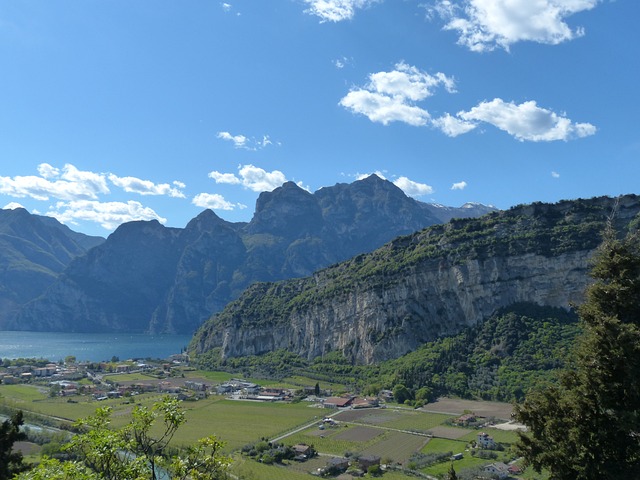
423 286
146 277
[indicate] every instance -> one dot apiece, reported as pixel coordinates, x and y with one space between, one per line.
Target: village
123 381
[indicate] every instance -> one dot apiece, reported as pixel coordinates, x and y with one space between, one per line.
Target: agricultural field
393 434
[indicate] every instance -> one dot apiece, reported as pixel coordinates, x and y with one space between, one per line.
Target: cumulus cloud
336 10
391 96
244 142
484 25
459 185
527 121
12 206
251 177
452 126
215 201
555 174
68 184
108 214
147 187
411 188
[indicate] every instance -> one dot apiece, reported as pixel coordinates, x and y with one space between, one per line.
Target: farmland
395 435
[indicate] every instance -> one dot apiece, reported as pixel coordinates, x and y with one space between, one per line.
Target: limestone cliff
419 287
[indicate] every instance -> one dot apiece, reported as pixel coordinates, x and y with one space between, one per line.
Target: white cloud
47 171
242 141
527 121
484 25
146 187
452 126
71 184
342 62
459 185
411 188
229 178
251 177
12 206
336 10
239 141
555 174
390 96
108 214
362 176
260 180
215 201
226 6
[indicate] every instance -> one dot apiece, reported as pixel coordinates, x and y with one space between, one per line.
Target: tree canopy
10 460
587 426
139 451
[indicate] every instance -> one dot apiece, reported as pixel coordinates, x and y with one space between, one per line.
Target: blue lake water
93 347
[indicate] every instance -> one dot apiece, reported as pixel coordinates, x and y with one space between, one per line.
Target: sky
113 111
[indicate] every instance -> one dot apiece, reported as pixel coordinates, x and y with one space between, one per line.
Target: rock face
149 278
34 250
419 287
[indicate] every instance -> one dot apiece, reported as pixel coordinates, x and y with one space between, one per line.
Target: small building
465 419
338 463
337 402
457 456
486 441
499 469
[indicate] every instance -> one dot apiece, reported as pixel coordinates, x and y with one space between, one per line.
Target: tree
451 474
316 389
588 425
139 450
10 461
401 393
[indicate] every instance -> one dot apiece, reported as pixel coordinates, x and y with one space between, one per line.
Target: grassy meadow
393 434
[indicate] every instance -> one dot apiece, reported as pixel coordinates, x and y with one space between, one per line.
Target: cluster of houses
14 374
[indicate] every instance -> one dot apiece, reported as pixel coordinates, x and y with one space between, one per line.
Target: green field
386 433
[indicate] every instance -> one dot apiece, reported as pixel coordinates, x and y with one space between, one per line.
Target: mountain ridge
419 287
149 278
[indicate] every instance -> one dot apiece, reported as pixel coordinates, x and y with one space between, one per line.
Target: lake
93 347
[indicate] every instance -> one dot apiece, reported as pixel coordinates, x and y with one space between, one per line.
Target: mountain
149 278
423 286
34 250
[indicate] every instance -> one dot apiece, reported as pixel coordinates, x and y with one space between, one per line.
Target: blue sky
114 110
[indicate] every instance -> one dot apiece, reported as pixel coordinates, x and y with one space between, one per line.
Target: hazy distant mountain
420 287
34 250
149 278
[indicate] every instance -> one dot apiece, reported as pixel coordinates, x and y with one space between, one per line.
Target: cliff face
373 324
149 278
417 288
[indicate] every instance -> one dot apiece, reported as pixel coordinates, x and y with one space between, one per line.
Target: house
338 463
302 452
457 456
486 441
499 469
465 419
44 371
337 402
122 368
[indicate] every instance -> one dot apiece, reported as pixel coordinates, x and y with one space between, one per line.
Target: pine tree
588 425
10 461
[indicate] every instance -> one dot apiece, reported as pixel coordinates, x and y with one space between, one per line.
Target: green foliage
11 462
139 450
586 426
